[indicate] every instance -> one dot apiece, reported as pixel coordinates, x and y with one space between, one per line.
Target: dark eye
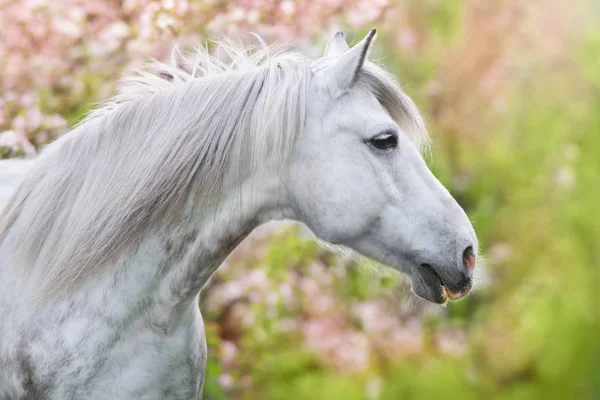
384 141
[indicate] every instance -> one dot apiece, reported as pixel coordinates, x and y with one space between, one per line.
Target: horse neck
165 273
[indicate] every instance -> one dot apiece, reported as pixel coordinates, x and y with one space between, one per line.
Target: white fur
12 173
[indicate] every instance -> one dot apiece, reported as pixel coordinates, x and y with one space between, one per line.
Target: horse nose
469 258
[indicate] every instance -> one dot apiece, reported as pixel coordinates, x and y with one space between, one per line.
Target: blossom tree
62 56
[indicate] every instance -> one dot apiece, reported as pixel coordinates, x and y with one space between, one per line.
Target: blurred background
510 90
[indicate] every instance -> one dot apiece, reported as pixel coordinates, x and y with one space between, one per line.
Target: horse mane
168 133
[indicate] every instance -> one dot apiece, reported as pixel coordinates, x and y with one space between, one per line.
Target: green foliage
212 388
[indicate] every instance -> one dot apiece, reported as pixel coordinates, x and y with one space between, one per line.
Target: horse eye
384 141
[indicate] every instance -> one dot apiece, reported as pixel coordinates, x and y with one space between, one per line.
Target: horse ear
346 68
337 45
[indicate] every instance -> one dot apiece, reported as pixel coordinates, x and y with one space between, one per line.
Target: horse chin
428 285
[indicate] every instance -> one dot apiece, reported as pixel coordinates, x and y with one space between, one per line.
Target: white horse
118 224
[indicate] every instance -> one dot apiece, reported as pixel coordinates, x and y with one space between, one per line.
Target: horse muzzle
437 283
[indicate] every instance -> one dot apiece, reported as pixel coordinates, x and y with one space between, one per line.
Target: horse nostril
469 258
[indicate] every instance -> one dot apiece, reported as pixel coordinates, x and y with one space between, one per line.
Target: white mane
168 134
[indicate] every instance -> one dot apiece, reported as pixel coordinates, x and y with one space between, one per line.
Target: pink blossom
226 381
228 351
453 343
16 142
334 344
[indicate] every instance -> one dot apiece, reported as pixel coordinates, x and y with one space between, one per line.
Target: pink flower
228 352
288 7
16 142
226 381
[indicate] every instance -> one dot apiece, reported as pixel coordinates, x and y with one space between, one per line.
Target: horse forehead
360 110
